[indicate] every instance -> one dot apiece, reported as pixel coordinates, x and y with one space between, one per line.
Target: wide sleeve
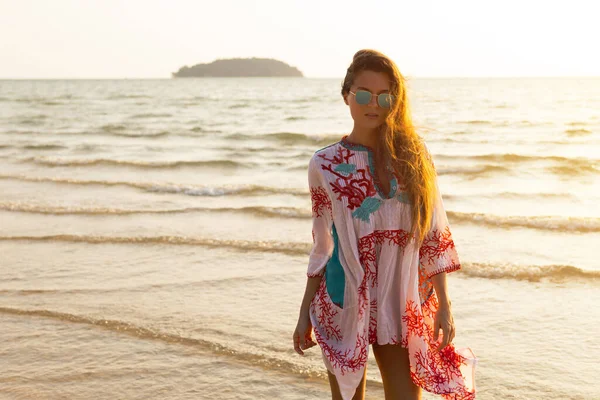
437 252
322 221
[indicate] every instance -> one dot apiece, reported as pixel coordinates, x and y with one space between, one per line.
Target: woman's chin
371 123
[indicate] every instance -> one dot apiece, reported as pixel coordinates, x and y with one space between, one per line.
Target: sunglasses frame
378 96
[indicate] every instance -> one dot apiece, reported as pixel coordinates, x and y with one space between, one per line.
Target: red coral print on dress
346 360
325 313
355 186
373 322
368 253
320 201
415 324
434 370
435 244
328 332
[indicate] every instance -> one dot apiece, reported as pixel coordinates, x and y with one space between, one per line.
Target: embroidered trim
448 268
371 153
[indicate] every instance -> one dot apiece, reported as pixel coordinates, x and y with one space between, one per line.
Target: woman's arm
322 219
443 316
303 333
438 257
312 284
441 289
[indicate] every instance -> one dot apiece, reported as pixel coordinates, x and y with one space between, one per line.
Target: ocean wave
459 138
563 165
295 118
574 170
309 99
33 120
112 128
547 223
515 195
289 248
240 105
482 270
261 359
61 162
511 157
474 172
142 135
577 168
577 132
31 100
127 96
151 115
189 190
476 122
224 282
125 131
44 146
285 212
290 138
531 273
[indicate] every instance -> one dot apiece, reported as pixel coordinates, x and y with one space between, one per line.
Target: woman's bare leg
335 389
395 372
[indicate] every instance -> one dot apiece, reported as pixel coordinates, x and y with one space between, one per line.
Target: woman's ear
346 99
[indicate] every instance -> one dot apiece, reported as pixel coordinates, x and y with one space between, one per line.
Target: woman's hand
303 334
444 321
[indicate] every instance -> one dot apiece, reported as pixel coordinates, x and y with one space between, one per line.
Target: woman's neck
365 137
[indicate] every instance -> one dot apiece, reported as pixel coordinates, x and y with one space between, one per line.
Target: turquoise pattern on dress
393 187
403 198
368 207
346 168
335 278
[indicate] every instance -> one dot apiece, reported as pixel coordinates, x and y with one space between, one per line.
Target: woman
382 249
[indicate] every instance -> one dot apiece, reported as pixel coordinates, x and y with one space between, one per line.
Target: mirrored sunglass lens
363 97
385 100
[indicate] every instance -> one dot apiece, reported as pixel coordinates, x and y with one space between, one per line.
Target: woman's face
369 115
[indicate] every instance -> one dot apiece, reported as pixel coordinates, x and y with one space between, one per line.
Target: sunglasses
363 97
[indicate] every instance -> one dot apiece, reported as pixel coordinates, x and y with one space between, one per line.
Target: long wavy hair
399 145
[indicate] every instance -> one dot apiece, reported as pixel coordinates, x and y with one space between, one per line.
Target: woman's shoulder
321 156
330 148
325 152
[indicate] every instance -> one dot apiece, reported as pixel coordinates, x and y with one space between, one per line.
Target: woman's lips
372 115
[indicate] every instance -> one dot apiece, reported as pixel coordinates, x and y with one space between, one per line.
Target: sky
426 38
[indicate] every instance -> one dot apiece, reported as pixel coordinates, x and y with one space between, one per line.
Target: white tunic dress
376 285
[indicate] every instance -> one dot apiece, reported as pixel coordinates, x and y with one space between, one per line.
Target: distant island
239 67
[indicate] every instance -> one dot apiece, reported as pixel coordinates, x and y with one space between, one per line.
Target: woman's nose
373 102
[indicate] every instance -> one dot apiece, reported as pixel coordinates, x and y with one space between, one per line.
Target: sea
154 233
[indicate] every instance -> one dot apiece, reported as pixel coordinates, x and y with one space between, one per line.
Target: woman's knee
335 389
394 366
